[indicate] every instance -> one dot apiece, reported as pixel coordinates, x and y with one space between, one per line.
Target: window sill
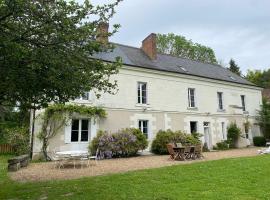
82 101
221 110
79 142
142 105
192 108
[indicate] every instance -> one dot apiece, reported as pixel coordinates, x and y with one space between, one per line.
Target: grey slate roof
133 56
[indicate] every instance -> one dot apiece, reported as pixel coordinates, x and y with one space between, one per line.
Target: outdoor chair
187 152
95 157
192 153
198 151
57 160
173 154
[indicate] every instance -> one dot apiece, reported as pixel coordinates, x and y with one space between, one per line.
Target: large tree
47 48
178 45
260 78
264 118
233 67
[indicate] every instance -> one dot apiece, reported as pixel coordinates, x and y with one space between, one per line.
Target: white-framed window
143 126
193 127
223 131
85 96
79 130
220 100
191 98
142 93
243 102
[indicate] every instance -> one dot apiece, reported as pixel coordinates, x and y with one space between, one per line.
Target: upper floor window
142 93
191 98
80 130
243 102
143 126
220 100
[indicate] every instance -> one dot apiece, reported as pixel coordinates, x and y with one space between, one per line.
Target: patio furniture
192 152
180 153
198 151
179 145
171 151
95 157
187 152
73 156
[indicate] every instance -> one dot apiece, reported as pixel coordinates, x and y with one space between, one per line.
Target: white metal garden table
73 156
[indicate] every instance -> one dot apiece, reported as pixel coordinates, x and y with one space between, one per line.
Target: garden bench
15 163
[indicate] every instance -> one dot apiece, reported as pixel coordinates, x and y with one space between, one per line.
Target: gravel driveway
46 171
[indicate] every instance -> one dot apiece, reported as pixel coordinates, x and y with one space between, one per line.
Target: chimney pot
149 46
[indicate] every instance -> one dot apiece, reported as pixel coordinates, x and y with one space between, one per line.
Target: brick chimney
102 32
149 46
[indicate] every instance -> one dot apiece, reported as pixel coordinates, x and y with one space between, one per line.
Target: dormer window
231 77
183 68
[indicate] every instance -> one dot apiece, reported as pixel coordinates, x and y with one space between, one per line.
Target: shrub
124 143
159 144
233 133
259 141
18 138
222 145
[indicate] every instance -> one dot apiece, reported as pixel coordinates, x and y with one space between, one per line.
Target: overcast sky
238 29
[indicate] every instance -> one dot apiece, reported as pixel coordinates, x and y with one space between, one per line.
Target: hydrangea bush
124 143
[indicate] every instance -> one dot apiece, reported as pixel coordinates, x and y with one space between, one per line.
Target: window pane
220 100
191 97
84 124
243 102
74 136
142 93
139 97
85 96
75 124
193 127
84 136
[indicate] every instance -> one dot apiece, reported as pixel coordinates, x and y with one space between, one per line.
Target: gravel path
46 171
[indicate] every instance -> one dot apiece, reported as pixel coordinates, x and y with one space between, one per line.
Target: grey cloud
234 29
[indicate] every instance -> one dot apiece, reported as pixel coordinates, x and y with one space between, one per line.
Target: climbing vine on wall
57 115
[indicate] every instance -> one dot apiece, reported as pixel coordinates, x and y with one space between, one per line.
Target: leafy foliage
263 118
11 118
47 49
159 144
222 145
234 67
56 116
124 143
233 133
260 78
179 46
259 141
18 138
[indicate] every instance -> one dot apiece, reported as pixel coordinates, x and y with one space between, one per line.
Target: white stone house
159 92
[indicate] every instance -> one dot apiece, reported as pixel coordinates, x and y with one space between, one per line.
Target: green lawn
244 178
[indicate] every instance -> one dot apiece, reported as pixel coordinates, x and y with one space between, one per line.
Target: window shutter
68 132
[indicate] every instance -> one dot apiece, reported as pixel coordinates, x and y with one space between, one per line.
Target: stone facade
167 107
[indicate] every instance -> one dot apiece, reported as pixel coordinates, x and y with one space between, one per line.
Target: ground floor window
80 130
143 126
193 127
